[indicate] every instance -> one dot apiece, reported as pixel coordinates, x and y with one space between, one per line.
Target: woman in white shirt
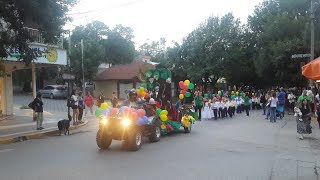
273 107
75 107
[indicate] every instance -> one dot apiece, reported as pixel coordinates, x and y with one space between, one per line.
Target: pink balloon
134 116
141 112
114 111
204 99
181 84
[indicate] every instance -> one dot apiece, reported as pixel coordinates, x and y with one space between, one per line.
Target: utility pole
312 35
69 68
83 83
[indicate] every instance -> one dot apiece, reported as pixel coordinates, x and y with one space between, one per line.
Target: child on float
224 107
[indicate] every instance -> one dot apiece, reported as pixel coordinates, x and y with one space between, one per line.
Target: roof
124 72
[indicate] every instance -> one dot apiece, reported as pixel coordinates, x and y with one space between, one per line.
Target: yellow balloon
104 106
187 82
232 92
165 112
237 93
181 96
163 126
141 88
143 94
163 117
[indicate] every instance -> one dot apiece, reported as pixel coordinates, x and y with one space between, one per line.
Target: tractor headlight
125 122
104 121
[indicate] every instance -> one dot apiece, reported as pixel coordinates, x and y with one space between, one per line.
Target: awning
312 70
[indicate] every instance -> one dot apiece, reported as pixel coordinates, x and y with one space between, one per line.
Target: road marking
6 150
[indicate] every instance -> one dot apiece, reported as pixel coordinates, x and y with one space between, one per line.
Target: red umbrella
312 70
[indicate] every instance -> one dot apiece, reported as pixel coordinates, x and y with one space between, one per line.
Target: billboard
48 55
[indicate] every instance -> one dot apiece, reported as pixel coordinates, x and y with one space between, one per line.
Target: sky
153 19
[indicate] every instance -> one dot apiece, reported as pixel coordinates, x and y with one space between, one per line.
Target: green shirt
301 98
246 101
198 100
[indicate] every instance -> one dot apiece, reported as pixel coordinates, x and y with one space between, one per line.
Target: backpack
31 105
70 102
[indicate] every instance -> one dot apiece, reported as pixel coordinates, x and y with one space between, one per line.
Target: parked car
54 91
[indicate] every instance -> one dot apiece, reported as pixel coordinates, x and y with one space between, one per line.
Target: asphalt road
230 149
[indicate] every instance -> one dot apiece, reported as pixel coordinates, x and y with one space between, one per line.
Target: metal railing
36 37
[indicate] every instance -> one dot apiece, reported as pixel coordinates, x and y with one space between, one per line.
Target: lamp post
312 35
82 67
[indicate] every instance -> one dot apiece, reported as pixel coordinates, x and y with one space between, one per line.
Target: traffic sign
67 76
295 56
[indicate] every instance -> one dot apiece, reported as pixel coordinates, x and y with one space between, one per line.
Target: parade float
148 112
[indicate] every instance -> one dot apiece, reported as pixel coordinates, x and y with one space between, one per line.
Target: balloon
143 94
165 112
145 119
206 95
143 85
181 96
104 106
139 95
114 111
252 94
186 87
219 92
147 95
122 109
158 105
213 95
140 122
232 92
141 112
205 99
237 93
163 117
158 111
187 82
134 116
106 112
127 111
181 84
98 112
215 99
188 94
183 92
191 86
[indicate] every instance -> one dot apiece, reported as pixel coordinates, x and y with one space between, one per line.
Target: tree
92 35
119 47
48 16
281 29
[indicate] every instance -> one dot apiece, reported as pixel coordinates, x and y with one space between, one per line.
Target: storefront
51 56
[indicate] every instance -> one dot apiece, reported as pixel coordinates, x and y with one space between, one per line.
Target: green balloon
158 111
191 86
188 94
98 112
206 95
213 95
143 85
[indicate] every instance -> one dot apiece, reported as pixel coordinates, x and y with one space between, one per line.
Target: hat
152 101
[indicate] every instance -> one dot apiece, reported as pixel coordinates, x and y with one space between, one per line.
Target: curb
36 134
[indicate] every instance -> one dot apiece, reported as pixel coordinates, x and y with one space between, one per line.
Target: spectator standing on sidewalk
75 109
281 102
37 106
80 107
88 101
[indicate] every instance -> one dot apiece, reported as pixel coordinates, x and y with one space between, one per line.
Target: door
124 89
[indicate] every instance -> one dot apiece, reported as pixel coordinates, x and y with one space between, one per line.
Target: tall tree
119 46
48 16
92 35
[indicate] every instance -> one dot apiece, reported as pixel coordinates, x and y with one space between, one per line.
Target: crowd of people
303 103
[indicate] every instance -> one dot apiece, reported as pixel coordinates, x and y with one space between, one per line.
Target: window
48 88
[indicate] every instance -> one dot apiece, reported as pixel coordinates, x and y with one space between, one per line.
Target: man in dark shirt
37 105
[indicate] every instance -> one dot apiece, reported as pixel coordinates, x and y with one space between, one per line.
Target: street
238 148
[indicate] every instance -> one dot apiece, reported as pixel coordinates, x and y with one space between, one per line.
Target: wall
107 87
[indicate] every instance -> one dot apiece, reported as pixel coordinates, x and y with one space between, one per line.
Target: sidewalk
21 126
